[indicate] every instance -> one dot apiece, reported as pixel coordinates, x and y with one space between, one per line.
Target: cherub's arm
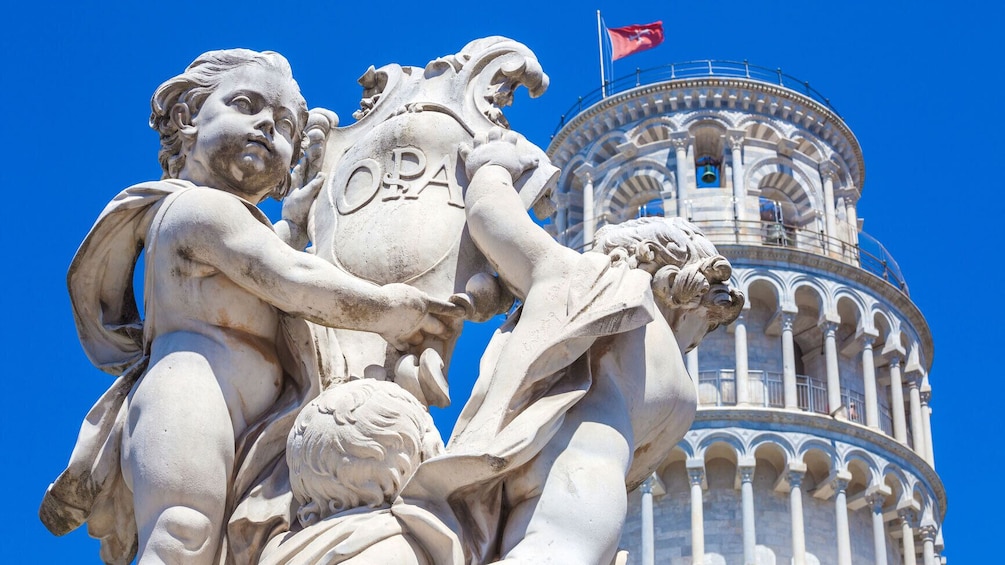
217 230
521 251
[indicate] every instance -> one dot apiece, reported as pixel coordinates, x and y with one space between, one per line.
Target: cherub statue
349 453
214 375
584 390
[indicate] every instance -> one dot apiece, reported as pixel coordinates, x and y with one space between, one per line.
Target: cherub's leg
178 455
570 502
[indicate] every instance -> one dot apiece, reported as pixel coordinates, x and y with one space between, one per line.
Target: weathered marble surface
417 216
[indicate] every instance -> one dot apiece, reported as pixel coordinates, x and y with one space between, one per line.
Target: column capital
875 500
787 319
680 140
791 476
913 379
829 327
744 474
908 516
696 476
584 172
894 358
926 396
850 194
836 483
696 471
928 532
828 171
735 139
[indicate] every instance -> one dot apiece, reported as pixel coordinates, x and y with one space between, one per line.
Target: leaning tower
812 443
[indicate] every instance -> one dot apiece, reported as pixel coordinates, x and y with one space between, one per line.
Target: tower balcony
690 70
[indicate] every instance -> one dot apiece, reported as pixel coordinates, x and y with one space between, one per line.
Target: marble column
735 141
680 143
869 380
875 501
742 374
928 533
696 476
907 519
794 476
850 200
917 426
745 473
589 215
789 362
833 376
562 217
840 484
648 542
827 174
926 421
897 400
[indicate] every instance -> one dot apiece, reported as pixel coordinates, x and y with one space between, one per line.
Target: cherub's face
246 129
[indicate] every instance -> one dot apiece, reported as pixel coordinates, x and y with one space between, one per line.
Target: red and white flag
634 38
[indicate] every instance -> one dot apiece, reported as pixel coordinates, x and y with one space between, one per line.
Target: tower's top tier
750 154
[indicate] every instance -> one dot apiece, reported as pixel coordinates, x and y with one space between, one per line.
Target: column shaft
917 427
869 379
739 194
897 399
841 512
695 476
910 556
829 218
648 542
589 215
796 510
833 376
789 363
682 193
928 533
747 501
926 413
878 528
742 374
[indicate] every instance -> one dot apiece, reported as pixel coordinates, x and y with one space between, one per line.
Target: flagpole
600 42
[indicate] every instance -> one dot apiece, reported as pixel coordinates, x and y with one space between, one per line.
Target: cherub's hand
297 205
496 147
419 316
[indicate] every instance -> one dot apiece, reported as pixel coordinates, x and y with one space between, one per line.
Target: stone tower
812 443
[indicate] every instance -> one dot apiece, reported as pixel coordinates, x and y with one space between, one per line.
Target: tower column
589 216
875 501
928 533
648 542
793 477
917 427
897 399
869 380
735 141
742 372
696 476
745 475
851 195
926 421
907 519
680 142
789 362
833 377
840 484
827 174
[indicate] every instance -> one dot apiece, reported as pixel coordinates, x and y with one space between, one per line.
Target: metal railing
868 254
811 394
695 69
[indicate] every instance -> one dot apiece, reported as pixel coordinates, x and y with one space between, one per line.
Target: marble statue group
271 403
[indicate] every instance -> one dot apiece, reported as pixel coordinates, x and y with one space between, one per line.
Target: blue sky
916 82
